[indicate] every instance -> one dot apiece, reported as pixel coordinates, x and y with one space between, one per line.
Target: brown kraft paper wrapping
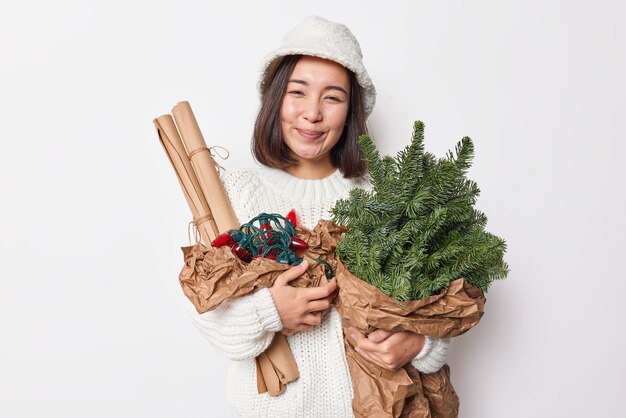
211 275
377 392
405 392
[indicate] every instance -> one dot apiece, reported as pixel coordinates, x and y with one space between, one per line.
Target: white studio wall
92 317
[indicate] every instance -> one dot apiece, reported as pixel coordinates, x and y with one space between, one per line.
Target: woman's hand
301 308
389 350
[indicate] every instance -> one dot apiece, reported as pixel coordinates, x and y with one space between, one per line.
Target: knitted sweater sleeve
242 327
433 355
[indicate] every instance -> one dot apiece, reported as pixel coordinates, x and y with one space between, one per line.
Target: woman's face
314 110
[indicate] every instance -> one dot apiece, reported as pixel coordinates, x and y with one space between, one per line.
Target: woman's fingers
397 349
361 341
291 274
320 292
371 350
373 357
314 318
379 335
318 305
303 327
301 308
311 293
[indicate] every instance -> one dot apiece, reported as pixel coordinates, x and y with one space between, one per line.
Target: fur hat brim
322 38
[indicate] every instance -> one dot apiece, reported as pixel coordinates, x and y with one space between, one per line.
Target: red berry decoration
224 239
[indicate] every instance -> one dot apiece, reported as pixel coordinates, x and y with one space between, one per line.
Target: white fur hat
325 39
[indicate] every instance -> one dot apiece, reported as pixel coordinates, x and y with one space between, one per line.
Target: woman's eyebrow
341 89
331 87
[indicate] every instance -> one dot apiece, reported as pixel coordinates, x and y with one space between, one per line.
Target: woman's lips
309 134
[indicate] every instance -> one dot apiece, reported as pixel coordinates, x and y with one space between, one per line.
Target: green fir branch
418 229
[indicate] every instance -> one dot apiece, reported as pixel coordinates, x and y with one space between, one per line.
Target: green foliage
417 229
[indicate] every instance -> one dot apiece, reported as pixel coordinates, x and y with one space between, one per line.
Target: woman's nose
312 111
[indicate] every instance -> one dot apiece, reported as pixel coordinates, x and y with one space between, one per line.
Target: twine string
195 225
196 233
215 149
203 219
214 152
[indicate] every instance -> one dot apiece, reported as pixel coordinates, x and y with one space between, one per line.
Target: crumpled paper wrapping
212 275
405 392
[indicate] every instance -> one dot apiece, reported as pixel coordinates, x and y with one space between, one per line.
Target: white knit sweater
243 328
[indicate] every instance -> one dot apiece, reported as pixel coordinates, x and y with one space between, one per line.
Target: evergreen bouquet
418 229
414 256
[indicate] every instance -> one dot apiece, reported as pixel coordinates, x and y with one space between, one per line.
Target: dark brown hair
268 147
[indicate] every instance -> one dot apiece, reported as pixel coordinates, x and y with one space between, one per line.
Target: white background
92 318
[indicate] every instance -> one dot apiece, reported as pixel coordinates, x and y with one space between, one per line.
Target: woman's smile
313 135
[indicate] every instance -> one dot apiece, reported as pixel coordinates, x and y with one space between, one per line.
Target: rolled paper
276 367
205 168
175 150
213 215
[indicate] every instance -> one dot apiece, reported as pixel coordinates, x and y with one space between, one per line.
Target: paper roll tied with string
175 150
197 172
198 175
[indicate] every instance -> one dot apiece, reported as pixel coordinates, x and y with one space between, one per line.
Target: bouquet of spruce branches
417 230
414 256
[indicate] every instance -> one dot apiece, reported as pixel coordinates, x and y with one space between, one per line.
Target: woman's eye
334 99
296 92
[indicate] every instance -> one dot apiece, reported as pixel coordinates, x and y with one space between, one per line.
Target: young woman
315 98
